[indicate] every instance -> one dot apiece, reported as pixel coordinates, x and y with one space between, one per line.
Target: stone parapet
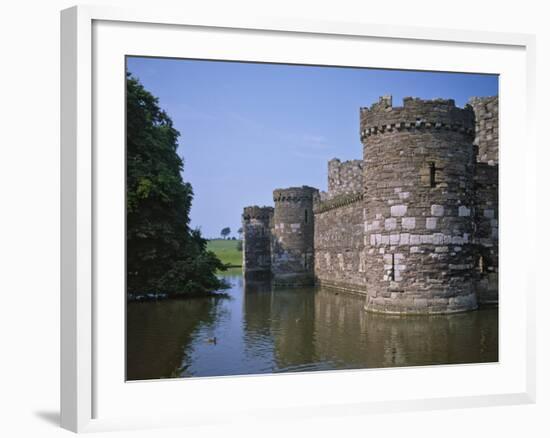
337 202
415 114
259 213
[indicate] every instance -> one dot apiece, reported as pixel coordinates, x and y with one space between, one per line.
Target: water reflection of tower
257 307
337 318
292 324
430 340
258 340
281 322
392 340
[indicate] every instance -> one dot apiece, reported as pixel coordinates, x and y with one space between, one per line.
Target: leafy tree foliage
163 254
225 232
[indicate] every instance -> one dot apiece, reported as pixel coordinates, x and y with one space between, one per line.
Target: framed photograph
269 207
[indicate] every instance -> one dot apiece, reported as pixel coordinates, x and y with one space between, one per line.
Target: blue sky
248 128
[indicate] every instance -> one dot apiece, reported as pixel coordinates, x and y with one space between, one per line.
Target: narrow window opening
392 273
432 174
481 264
305 216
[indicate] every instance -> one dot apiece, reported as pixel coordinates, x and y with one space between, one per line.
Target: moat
257 331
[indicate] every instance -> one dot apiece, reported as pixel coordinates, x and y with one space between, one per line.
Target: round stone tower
256 222
419 199
292 236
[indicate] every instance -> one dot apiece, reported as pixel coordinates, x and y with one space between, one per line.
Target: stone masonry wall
486 139
344 177
486 232
292 236
256 223
486 183
339 244
419 200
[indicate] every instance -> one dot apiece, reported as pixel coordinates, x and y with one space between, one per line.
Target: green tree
225 232
163 253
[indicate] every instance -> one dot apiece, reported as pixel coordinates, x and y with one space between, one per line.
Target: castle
413 226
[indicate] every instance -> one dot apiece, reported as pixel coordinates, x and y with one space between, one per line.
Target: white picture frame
92 396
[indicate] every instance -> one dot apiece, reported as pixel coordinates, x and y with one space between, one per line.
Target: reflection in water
160 335
259 330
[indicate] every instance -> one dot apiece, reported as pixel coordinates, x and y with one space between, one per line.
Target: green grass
226 250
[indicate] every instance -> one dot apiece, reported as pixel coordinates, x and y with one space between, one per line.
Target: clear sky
249 128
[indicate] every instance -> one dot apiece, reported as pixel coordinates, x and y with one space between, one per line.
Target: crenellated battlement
415 114
256 212
295 195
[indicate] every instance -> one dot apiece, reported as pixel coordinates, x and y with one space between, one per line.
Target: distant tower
292 236
256 222
419 200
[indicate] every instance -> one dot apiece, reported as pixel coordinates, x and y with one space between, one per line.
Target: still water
257 330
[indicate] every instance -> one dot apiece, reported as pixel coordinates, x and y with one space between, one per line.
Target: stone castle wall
419 200
486 183
486 140
256 223
339 244
413 225
344 178
338 233
486 233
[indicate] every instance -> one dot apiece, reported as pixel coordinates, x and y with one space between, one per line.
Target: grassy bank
226 250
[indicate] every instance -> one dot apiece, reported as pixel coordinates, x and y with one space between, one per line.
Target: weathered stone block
431 223
457 240
437 210
390 224
408 223
438 238
427 238
375 225
420 302
398 210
